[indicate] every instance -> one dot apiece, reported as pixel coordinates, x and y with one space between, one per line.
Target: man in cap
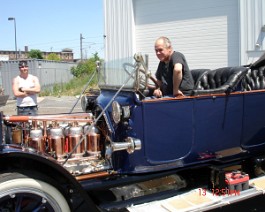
25 88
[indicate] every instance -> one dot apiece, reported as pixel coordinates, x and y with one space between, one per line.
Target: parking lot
47 105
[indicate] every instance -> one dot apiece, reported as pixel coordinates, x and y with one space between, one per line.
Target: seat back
199 77
222 80
254 79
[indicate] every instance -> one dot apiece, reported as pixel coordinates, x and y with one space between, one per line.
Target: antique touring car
127 148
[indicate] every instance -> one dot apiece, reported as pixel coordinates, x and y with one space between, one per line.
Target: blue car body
126 136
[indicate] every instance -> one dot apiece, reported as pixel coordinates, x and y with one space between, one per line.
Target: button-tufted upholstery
254 79
199 77
222 80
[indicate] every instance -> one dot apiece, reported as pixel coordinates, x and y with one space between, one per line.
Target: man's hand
28 91
157 93
178 94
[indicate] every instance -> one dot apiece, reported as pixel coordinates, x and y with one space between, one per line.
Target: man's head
23 67
163 49
22 64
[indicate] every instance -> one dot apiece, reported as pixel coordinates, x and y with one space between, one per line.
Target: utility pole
13 19
81 48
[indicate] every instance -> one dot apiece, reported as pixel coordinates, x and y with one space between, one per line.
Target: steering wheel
145 83
155 86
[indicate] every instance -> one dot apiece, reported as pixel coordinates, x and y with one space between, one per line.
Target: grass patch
72 88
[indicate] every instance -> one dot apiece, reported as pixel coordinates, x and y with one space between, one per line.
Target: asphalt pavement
48 105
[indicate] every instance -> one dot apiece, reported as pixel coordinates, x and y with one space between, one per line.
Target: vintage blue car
128 147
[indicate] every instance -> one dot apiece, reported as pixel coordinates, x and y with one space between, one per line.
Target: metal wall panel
48 72
252 30
119 29
206 31
211 33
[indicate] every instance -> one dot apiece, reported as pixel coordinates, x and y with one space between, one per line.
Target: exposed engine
71 139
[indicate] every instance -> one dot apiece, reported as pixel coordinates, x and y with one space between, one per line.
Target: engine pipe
46 118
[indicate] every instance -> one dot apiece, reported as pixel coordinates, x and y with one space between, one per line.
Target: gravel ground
47 105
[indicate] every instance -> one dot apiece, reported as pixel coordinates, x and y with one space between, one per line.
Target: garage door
206 31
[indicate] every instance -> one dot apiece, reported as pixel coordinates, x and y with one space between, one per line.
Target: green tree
35 53
53 56
86 67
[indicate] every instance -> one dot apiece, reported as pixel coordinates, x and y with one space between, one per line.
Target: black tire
21 193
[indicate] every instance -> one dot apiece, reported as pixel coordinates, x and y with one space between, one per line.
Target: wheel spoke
18 202
43 205
38 208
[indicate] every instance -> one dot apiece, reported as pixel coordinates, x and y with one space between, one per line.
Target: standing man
26 87
173 74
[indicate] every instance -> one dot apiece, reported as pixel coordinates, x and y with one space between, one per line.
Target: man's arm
158 92
17 92
35 89
177 77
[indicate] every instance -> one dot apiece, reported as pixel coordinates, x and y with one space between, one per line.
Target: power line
62 41
48 43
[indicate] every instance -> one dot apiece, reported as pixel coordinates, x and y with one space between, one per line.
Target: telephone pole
13 19
81 48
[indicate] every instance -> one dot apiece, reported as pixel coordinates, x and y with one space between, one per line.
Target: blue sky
53 25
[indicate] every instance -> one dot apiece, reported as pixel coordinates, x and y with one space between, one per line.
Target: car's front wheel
22 193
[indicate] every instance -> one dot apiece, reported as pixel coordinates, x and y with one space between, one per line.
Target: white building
211 33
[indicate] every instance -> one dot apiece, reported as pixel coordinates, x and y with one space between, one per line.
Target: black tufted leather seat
222 80
254 79
199 76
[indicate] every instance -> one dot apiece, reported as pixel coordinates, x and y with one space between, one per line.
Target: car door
190 128
168 129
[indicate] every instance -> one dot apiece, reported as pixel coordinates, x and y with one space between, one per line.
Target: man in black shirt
173 74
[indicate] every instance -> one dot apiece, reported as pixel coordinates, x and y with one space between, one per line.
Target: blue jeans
25 111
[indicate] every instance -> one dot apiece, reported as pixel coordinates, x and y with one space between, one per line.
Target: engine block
72 139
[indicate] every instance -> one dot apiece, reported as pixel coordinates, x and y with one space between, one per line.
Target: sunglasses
23 66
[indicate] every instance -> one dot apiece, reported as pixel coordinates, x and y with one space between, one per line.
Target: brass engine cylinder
36 140
17 135
74 137
56 142
93 139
